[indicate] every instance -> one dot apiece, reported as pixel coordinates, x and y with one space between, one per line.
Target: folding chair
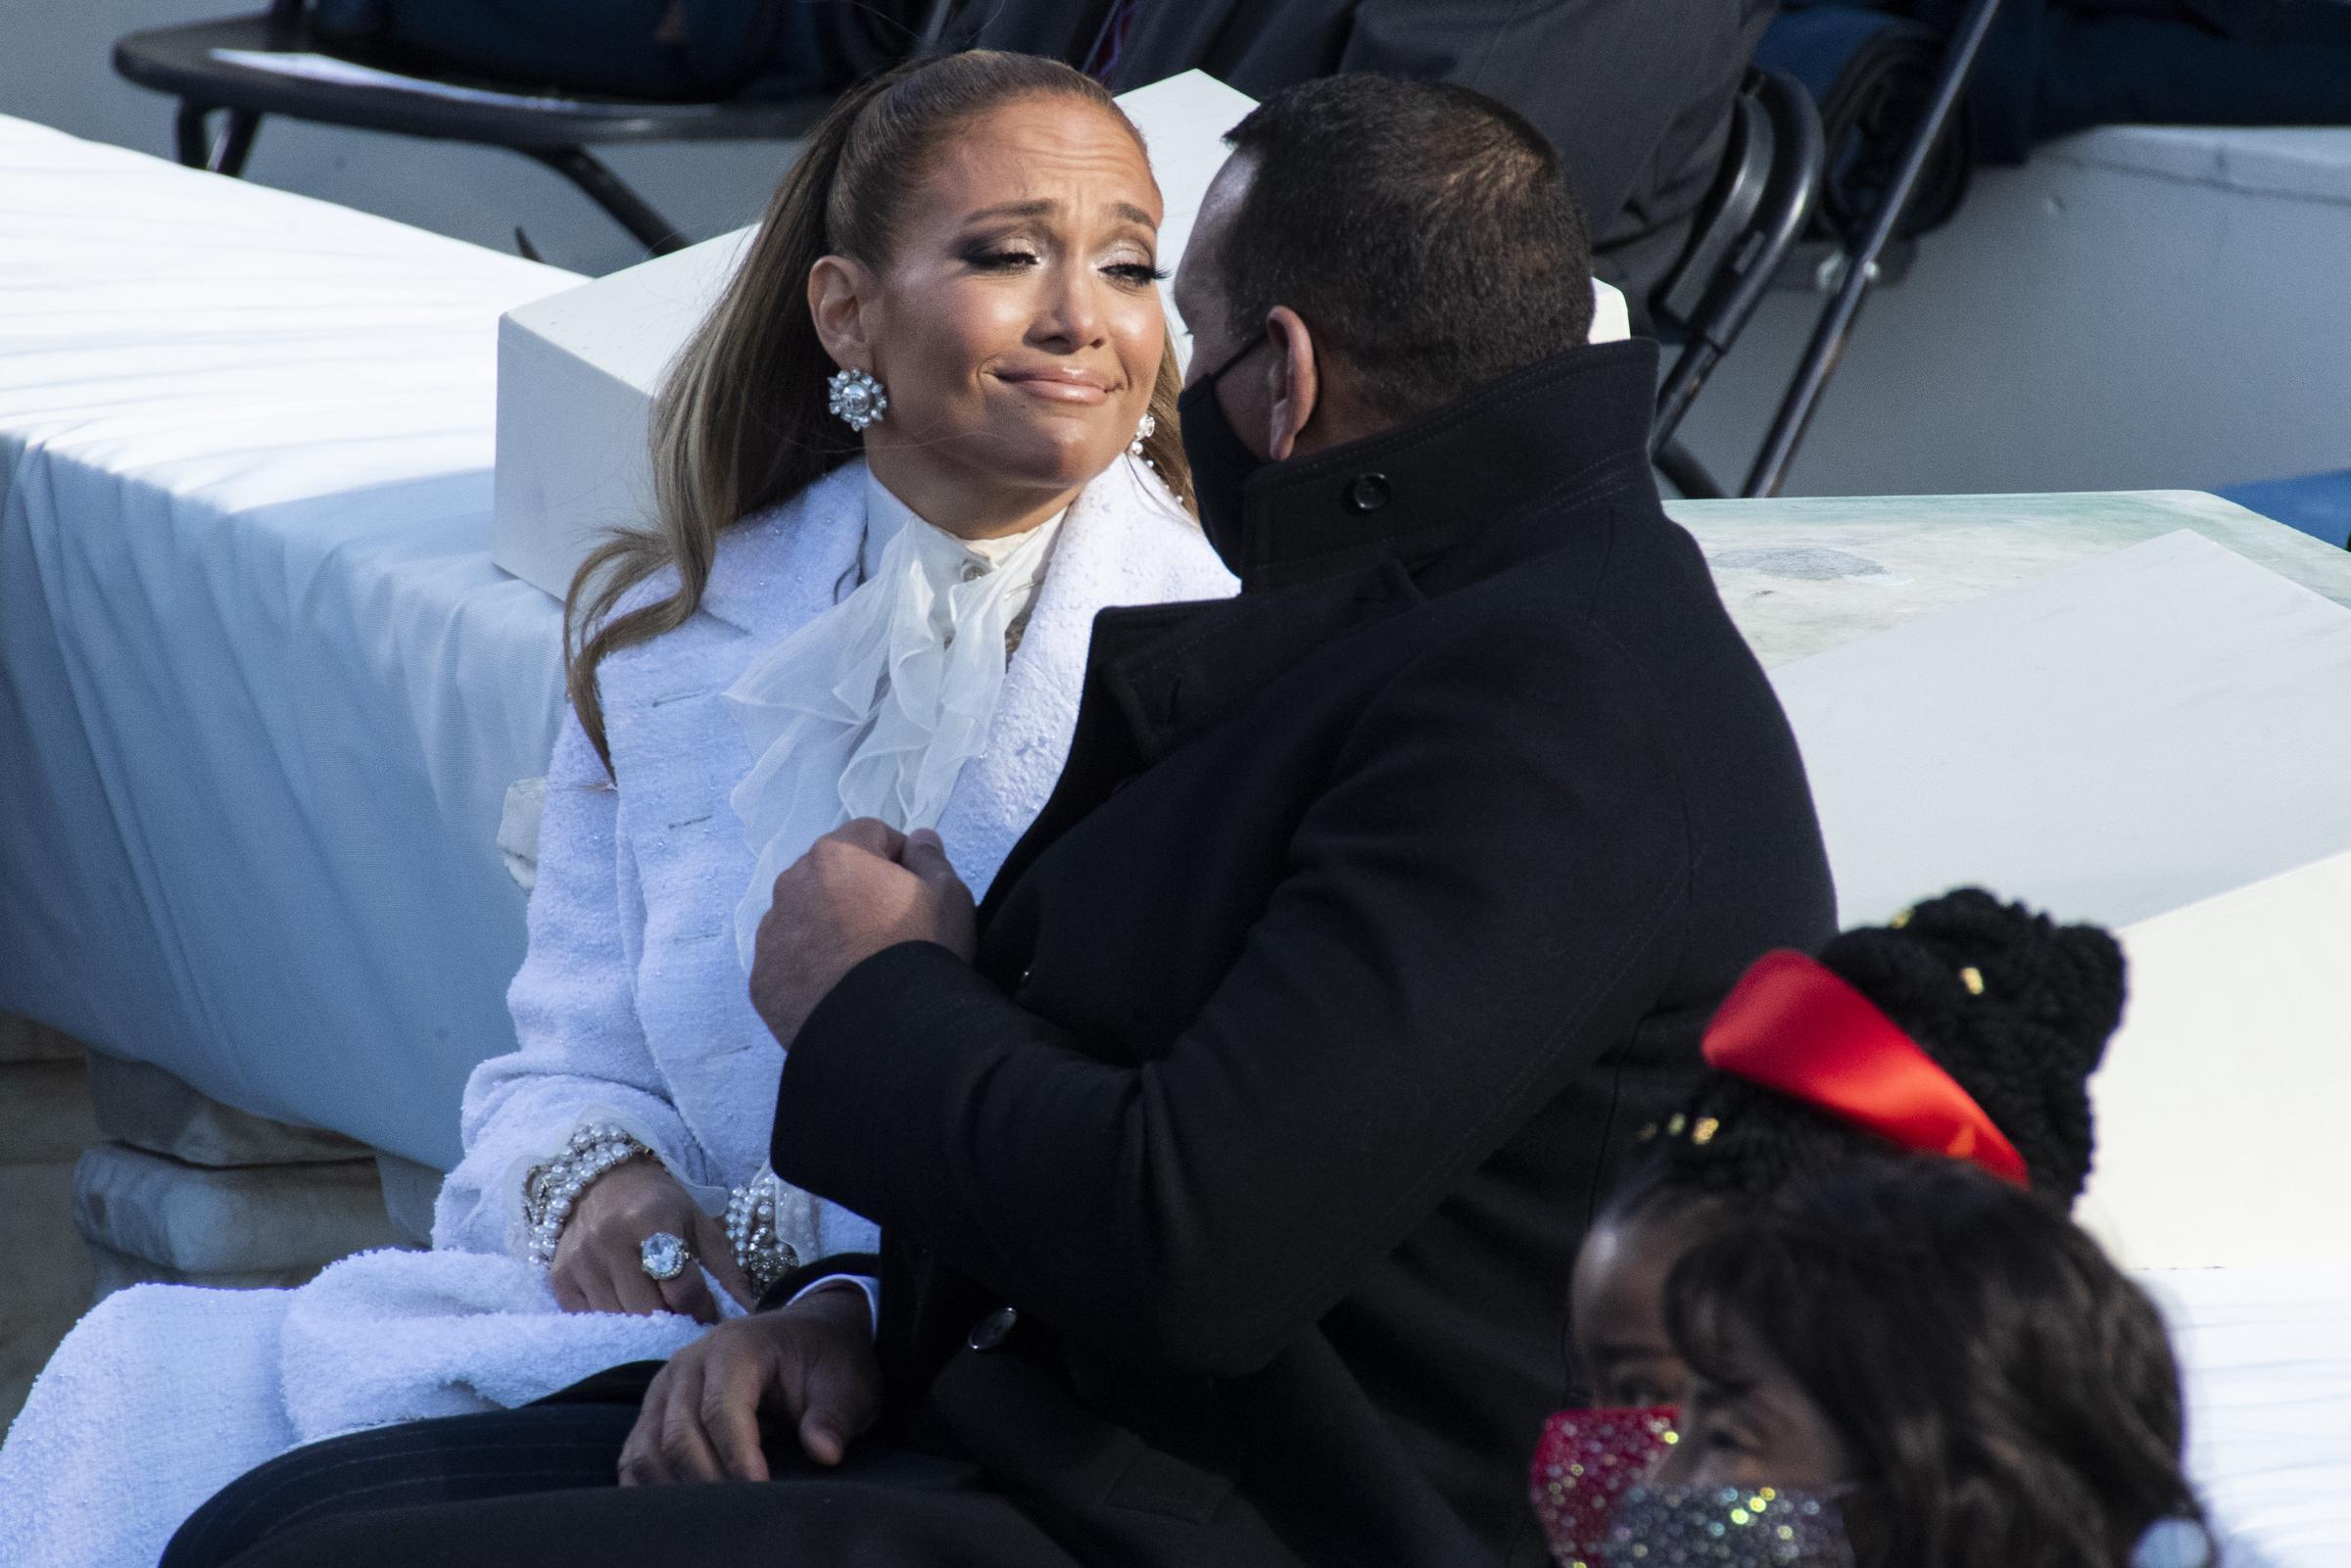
274 64
1745 229
1862 263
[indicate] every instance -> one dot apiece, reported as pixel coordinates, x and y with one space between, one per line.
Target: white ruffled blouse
873 708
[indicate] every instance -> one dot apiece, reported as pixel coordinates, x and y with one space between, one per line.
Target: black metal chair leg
235 144
1680 465
610 192
1835 323
197 147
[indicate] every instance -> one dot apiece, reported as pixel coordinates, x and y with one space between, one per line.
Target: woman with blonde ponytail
927 430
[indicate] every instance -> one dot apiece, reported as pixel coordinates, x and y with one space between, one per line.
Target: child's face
1617 1299
1751 1424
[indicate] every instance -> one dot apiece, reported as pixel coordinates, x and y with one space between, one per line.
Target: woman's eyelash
1007 261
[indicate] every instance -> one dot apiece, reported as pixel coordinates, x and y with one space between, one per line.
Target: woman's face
1751 1424
1617 1300
1016 323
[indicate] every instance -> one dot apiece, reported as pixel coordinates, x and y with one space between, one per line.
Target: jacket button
992 1330
1367 494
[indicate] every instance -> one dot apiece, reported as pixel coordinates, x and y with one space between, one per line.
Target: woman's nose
1073 314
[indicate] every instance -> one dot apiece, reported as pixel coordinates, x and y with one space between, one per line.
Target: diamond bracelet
550 1190
764 1257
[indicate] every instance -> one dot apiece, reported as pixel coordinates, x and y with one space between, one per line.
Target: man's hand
862 887
809 1367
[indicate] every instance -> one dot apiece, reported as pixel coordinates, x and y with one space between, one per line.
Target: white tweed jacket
631 1005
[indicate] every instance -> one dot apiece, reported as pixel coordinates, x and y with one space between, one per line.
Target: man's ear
839 292
1295 384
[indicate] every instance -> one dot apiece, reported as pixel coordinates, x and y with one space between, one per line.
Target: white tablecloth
261 691
2266 1354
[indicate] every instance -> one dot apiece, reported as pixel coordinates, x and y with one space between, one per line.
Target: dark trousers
521 1489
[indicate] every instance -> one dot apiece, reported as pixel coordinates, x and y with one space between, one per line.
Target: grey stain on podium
1804 563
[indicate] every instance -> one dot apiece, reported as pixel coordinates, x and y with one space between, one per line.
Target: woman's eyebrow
1125 212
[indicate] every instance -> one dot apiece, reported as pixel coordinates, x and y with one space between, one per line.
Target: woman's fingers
638 1291
718 1255
568 1295
595 1286
689 1297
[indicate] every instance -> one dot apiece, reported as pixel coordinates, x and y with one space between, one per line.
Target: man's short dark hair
1422 229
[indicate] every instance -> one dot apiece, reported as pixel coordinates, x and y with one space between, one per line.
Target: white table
262 693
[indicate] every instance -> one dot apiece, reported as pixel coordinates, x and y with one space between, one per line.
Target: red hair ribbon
1794 1025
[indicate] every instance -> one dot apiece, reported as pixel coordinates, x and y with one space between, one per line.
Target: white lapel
678 753
1124 543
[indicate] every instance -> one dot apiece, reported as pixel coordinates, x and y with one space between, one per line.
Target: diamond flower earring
859 400
1143 433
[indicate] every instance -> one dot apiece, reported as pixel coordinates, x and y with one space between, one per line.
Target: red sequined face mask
1592 1493
1585 1463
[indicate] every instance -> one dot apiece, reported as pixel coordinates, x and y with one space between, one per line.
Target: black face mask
1221 465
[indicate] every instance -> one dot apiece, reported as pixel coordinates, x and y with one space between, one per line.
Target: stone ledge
23 1040
248 1221
115 1271
145 1107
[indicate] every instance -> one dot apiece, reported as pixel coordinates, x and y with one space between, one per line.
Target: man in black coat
1635 95
1232 1175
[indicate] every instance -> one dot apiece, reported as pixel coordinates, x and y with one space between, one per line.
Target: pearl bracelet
550 1190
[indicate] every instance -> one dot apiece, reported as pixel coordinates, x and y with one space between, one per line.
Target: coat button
1367 494
991 1330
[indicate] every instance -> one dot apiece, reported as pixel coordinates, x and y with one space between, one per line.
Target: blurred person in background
1967 1027
1635 95
1958 1366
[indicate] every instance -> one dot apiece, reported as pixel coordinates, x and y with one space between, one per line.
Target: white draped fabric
873 708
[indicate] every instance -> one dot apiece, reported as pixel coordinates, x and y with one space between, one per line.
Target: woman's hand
808 1366
598 1267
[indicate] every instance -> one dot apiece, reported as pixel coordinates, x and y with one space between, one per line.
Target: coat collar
1501 475
1462 480
780 568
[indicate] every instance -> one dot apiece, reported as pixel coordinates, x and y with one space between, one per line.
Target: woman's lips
1073 387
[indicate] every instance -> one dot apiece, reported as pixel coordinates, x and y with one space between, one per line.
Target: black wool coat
1229 1201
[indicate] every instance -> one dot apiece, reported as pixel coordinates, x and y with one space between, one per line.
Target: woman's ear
839 304
1295 383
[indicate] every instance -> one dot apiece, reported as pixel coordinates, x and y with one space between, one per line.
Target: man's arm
1502 847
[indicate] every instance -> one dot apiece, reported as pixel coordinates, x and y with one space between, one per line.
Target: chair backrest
1752 218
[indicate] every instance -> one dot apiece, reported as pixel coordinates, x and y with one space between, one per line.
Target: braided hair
2016 1008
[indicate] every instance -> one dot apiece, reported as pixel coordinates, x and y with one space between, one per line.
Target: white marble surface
1803 576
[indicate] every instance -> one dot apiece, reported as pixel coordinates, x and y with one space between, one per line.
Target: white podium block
2220 1101
2153 739
577 370
576 373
